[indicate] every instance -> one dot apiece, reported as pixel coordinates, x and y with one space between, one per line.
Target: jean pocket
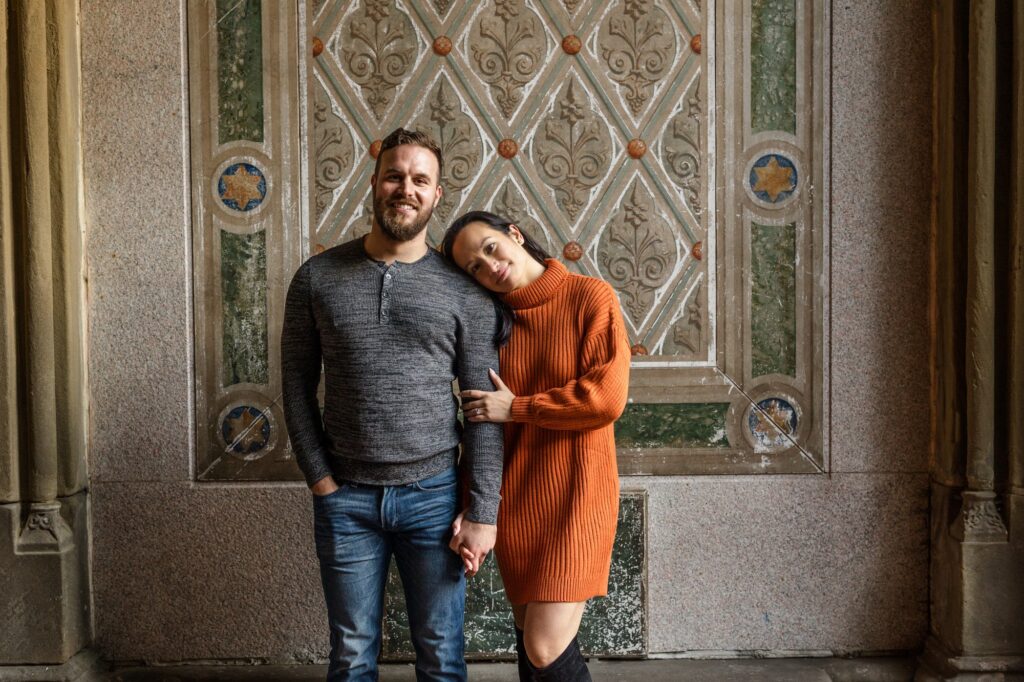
329 496
445 480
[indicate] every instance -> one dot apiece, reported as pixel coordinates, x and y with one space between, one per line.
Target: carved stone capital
44 530
980 519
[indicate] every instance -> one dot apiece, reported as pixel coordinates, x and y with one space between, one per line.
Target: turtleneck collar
540 290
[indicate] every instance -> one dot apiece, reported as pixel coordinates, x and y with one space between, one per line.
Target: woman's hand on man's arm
489 406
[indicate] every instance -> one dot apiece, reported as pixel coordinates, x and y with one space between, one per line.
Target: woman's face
493 258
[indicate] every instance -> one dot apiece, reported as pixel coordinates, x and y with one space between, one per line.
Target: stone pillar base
939 664
44 581
86 666
977 595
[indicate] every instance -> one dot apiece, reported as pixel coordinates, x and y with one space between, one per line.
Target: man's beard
391 225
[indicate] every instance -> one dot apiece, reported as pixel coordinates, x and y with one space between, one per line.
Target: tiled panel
244 123
612 626
240 70
773 224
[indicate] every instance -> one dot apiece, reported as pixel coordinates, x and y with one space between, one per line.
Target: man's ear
437 199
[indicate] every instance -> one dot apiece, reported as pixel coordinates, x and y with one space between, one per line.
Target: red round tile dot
636 148
572 44
508 148
318 47
698 251
573 251
638 349
695 43
375 148
319 248
442 46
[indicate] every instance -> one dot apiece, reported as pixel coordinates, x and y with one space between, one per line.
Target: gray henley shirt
390 338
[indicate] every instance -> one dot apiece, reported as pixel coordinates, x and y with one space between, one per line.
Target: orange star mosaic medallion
242 187
773 178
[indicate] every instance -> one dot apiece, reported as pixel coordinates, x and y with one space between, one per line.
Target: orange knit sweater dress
567 363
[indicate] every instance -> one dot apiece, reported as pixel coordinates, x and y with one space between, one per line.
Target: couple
393 323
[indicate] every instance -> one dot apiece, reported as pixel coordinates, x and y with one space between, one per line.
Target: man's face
406 191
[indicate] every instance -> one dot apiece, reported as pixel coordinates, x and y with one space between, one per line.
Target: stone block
881 180
194 572
797 565
135 155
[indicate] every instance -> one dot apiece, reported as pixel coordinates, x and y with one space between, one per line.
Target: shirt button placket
385 296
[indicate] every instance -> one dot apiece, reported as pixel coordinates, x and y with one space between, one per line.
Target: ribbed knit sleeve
598 395
300 377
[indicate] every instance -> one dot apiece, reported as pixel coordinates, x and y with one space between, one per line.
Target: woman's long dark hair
506 316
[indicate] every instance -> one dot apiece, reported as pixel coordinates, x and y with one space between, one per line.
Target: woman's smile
494 258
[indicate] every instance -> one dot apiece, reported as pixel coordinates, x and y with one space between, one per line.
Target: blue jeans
357 529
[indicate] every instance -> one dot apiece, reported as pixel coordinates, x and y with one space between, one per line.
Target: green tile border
243 262
773 65
773 299
240 70
673 425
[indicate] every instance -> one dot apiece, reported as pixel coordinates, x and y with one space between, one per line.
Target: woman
564 381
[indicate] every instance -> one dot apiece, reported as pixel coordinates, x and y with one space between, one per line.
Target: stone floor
676 670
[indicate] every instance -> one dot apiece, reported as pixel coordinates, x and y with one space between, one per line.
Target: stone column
977 597
44 598
1016 326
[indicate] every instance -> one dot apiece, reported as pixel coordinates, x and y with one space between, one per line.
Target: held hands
488 406
472 541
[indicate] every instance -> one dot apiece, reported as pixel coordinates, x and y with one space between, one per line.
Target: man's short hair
400 136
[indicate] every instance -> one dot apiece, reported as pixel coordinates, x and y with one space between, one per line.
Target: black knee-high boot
568 667
525 669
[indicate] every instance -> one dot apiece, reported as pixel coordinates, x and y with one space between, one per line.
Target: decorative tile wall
246 180
672 148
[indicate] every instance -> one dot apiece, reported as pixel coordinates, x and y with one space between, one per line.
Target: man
393 324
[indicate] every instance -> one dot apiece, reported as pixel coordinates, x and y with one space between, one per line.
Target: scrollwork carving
982 520
510 51
686 332
681 149
509 203
44 530
637 251
573 151
460 144
638 45
333 150
379 51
